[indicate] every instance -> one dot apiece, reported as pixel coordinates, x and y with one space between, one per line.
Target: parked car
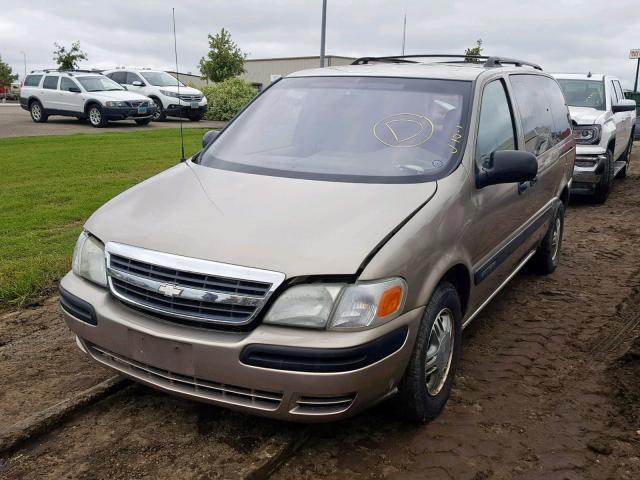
636 97
172 97
83 94
603 125
331 243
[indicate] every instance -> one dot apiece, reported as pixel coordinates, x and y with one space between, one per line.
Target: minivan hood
121 95
585 115
297 227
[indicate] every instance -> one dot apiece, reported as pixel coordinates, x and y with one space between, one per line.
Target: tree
68 59
473 52
224 60
6 74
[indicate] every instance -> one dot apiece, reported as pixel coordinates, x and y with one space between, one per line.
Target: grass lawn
50 185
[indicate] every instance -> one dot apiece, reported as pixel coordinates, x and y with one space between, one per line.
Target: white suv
83 94
172 97
603 126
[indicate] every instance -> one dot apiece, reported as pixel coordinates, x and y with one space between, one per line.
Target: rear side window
119 77
50 82
67 83
559 110
495 130
534 105
32 80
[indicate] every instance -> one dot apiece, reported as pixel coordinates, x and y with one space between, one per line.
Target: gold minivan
325 250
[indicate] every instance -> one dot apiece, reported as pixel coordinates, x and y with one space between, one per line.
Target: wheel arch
32 99
89 103
460 277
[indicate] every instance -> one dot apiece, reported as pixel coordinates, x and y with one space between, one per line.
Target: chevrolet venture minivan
325 250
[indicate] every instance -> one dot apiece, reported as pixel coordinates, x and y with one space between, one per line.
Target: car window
534 107
161 79
348 129
559 110
583 93
99 83
67 83
50 82
132 77
32 80
120 77
495 130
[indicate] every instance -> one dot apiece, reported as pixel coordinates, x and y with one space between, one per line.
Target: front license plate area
142 110
195 104
160 353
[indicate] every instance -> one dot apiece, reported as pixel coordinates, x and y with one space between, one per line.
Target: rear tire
38 113
427 382
546 257
143 121
603 188
96 118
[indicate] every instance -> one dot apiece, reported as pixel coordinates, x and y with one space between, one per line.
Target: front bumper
122 113
206 365
588 168
185 111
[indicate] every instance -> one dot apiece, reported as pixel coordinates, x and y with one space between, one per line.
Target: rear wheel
427 382
38 114
606 180
546 257
96 118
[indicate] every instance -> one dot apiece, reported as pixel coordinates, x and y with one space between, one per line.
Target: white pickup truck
603 126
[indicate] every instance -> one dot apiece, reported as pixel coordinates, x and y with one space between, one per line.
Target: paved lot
16 122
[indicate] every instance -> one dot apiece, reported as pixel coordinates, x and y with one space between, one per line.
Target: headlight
116 104
586 134
168 93
339 307
88 259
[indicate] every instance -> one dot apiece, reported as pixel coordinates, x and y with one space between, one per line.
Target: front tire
96 117
627 158
603 188
427 382
160 115
547 256
38 114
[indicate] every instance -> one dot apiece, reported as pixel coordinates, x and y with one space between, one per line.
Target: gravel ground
548 388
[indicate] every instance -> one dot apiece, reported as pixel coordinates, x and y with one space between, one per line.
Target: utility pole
404 32
323 32
635 85
24 55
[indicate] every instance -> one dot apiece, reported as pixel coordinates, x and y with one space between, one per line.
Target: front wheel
427 382
160 115
547 255
627 158
603 188
96 118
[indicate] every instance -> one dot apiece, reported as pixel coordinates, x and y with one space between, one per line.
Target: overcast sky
561 35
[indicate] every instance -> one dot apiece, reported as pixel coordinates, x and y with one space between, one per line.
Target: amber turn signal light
390 302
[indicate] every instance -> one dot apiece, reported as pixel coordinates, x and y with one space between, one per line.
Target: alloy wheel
439 352
36 112
95 116
555 238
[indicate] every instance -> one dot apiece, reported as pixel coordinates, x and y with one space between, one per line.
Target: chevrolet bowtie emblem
169 290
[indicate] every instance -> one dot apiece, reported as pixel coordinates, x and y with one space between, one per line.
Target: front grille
191 98
139 103
197 387
188 289
308 405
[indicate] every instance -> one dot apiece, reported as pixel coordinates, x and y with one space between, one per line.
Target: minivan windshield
161 79
349 129
99 84
583 93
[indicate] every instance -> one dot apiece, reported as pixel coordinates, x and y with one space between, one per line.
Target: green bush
225 99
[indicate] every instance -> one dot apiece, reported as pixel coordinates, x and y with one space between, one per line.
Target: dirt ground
549 388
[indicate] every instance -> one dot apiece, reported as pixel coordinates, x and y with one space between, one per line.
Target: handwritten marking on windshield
404 130
456 138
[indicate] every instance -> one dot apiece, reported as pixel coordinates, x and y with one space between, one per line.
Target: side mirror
137 83
74 89
209 137
508 166
624 106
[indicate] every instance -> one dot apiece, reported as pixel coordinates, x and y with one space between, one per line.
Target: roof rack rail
68 70
490 62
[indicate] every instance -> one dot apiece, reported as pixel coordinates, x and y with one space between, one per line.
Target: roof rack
66 70
490 62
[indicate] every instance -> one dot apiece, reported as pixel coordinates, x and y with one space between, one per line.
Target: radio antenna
175 50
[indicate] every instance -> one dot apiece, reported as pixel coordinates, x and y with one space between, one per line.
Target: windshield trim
342 178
